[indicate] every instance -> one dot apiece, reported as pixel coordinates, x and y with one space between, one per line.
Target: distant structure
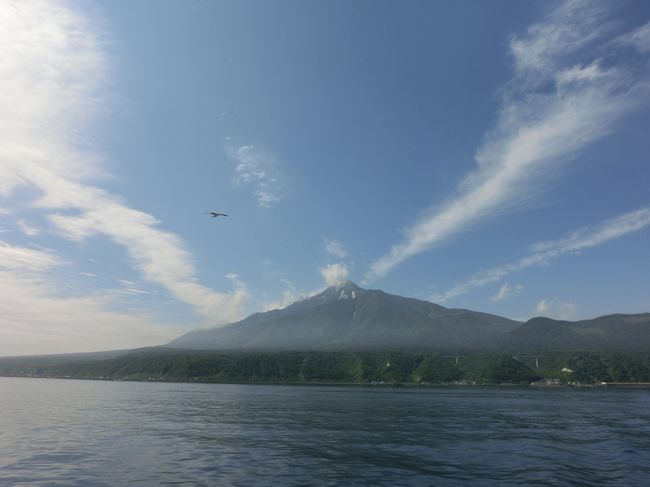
536 357
454 357
214 214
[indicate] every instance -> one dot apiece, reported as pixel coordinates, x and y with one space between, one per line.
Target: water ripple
85 433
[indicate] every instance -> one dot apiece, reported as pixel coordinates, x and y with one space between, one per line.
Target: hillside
339 367
618 332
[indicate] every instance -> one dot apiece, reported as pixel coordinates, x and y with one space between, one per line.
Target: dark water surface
93 433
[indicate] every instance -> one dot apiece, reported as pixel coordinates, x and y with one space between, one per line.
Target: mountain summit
348 317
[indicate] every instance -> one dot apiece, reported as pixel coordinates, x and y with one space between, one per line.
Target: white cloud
290 295
570 28
258 171
27 229
541 307
335 248
539 129
556 309
26 259
613 228
334 274
506 291
544 252
239 285
639 38
160 256
52 87
35 318
132 288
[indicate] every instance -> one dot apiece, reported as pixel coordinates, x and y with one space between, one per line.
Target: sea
56 432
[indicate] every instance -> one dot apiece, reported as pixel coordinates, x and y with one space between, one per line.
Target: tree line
396 367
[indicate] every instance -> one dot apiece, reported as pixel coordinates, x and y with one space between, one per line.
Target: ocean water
95 433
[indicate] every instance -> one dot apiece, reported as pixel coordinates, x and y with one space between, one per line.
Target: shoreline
405 385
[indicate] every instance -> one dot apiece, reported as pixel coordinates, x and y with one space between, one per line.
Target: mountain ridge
624 332
348 317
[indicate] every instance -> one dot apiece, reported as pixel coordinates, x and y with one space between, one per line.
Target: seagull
214 214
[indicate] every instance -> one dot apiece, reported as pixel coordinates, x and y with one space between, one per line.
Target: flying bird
214 214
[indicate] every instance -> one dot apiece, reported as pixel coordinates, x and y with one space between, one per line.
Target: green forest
342 367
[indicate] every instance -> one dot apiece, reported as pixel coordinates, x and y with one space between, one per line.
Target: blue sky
485 155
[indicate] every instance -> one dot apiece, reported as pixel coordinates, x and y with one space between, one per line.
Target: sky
481 155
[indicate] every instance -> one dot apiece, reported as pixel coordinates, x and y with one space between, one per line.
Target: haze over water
92 433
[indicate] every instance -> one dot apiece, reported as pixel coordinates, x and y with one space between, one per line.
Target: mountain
622 332
347 317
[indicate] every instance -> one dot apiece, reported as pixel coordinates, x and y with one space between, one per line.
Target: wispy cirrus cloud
506 290
568 90
256 170
28 229
14 257
639 38
289 295
160 256
335 248
543 252
53 86
334 274
35 317
132 288
556 308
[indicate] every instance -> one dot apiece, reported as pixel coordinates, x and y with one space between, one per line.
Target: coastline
399 385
